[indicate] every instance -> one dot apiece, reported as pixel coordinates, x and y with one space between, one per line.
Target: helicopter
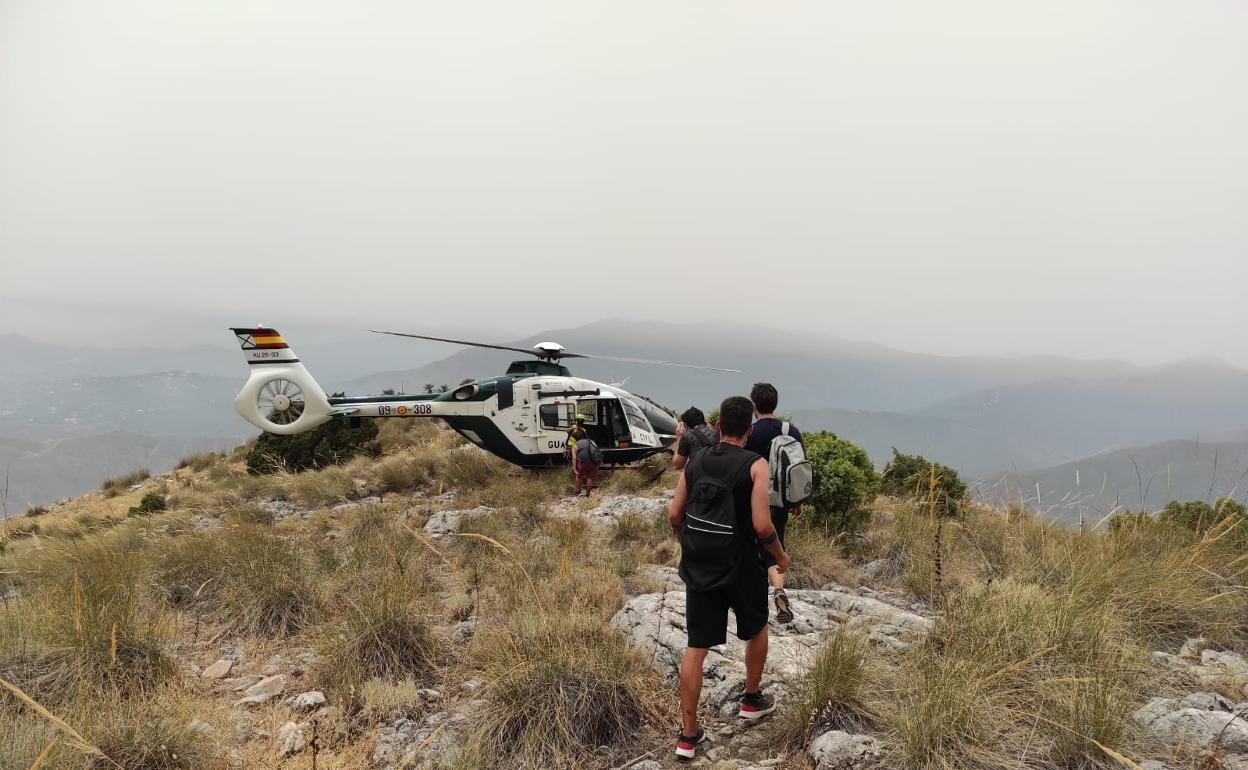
522 415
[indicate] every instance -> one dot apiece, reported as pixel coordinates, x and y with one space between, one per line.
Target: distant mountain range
1010 422
1053 421
1133 478
38 471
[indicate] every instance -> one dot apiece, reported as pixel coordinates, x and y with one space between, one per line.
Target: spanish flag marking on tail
260 339
269 340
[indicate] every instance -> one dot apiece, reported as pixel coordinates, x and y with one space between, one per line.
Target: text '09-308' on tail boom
523 415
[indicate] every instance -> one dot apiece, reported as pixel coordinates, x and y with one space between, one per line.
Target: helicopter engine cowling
280 396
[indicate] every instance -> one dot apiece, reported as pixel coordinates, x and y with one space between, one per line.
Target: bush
36 510
816 557
151 503
321 487
829 695
115 486
147 739
409 470
845 483
1225 515
1011 665
562 686
912 476
626 481
25 529
381 637
83 628
256 583
334 442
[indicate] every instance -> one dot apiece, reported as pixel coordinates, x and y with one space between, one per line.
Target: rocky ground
1198 723
277 714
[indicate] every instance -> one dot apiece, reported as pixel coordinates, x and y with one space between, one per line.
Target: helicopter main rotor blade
648 361
526 351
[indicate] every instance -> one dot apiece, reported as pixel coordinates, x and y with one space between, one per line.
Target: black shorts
779 520
706 612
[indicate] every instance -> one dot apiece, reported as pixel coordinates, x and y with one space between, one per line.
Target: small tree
913 475
329 444
151 503
1130 521
845 483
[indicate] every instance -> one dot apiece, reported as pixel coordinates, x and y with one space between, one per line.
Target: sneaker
784 613
687 747
755 705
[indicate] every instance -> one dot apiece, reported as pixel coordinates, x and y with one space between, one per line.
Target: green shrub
328 444
916 476
151 503
845 483
1225 515
36 510
1128 520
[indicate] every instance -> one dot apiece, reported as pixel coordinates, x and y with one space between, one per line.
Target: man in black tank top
743 589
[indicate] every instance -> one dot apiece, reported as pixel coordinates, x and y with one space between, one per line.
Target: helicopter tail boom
280 396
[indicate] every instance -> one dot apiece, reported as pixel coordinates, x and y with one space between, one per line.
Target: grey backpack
791 477
588 452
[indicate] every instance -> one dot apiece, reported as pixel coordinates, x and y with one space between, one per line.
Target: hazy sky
952 177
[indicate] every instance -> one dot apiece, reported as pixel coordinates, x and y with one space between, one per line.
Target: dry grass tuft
830 695
153 741
83 627
253 582
200 462
115 486
562 686
816 557
384 636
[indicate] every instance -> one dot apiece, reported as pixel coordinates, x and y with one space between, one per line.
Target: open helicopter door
642 432
605 421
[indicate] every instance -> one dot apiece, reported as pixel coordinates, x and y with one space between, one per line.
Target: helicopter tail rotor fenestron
280 396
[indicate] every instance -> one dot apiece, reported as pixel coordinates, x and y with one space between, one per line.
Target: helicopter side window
555 416
588 410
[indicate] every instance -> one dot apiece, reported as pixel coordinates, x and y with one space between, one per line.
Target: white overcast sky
954 177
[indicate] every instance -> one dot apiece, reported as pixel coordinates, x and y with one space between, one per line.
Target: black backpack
701 437
711 543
